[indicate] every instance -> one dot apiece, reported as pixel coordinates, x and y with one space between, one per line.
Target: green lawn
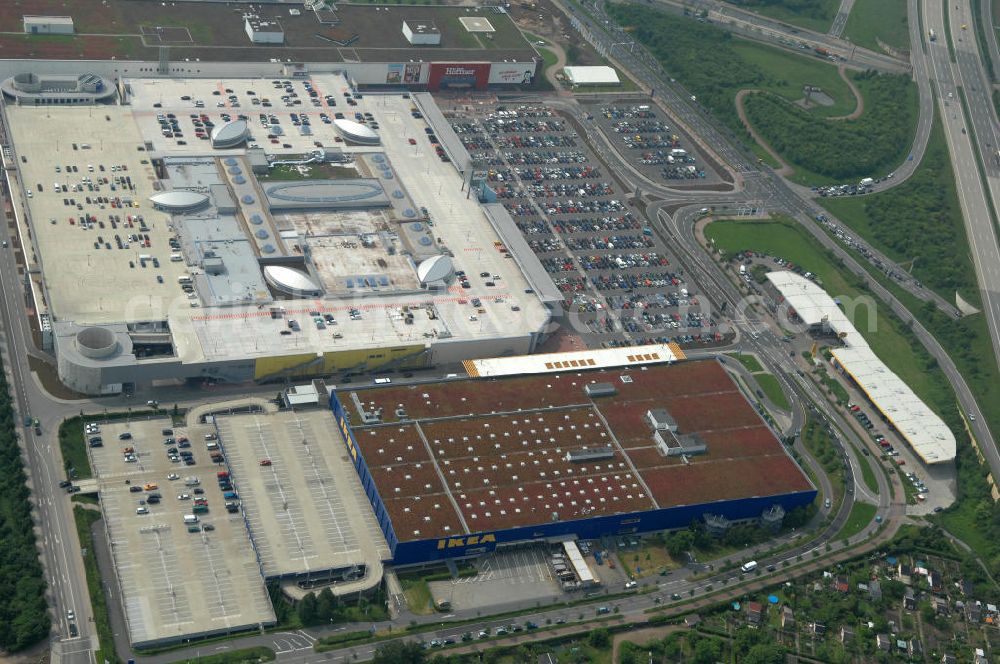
244 656
549 57
74 448
887 336
418 595
789 73
749 361
872 20
817 16
861 515
313 172
867 473
85 518
770 386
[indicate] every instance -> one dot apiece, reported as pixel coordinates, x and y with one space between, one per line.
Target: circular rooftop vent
291 281
230 134
355 132
96 342
436 269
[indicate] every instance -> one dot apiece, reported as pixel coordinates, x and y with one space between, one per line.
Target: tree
600 638
706 652
326 605
765 653
679 543
307 610
400 652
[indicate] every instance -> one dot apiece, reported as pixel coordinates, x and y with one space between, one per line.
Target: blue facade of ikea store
429 550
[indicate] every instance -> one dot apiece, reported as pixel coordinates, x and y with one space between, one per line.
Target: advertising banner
512 73
445 75
403 74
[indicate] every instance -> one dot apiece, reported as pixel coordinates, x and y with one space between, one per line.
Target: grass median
872 21
85 519
772 389
861 515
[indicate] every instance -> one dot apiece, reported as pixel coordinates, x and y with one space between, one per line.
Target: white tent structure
598 75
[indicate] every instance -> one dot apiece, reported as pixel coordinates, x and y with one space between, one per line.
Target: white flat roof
62 20
587 359
96 285
594 75
932 440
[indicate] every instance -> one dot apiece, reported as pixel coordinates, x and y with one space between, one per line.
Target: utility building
48 25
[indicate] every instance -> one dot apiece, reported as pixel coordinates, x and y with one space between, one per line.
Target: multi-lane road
959 82
60 548
965 92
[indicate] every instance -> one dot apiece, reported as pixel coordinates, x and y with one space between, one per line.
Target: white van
176 258
184 279
190 518
192 481
749 567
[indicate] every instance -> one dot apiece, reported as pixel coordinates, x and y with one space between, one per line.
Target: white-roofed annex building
915 422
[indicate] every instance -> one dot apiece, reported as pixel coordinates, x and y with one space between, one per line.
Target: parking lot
620 282
654 147
506 576
302 498
285 116
184 564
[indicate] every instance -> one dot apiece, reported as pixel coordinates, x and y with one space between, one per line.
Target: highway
969 144
951 79
762 28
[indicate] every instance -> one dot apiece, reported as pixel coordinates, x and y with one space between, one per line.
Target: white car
142 510
630 584
184 496
173 476
70 615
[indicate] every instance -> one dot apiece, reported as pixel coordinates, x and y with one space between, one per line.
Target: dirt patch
49 379
561 342
785 170
859 107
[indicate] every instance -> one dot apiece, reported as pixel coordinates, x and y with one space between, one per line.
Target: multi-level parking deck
177 579
302 499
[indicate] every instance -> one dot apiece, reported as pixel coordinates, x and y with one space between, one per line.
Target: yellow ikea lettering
471 540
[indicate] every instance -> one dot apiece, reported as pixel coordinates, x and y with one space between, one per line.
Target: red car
413 141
